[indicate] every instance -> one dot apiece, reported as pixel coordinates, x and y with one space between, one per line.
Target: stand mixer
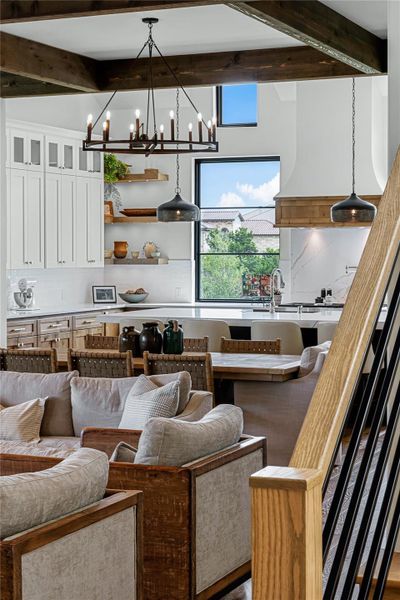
24 298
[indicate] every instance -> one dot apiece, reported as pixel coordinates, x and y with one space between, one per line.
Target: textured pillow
309 357
123 453
16 388
185 385
170 442
146 400
29 499
22 422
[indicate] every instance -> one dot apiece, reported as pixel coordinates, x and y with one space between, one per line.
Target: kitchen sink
288 309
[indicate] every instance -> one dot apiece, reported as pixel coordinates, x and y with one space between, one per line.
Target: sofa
196 513
62 534
277 410
74 402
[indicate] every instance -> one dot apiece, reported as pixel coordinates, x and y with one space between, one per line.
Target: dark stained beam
18 11
317 25
16 86
277 64
25 58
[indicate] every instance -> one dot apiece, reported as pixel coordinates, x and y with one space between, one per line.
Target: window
237 105
236 243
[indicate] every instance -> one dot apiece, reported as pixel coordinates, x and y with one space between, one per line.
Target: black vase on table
173 338
129 340
150 339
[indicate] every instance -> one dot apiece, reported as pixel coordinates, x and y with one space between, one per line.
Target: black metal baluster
356 497
360 421
388 553
373 495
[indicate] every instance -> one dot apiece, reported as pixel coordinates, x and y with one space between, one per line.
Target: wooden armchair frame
198 365
101 364
35 360
101 342
251 346
195 344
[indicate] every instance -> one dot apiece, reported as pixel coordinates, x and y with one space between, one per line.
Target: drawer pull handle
18 329
88 322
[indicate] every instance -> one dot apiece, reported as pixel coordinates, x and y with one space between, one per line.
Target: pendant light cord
178 189
353 134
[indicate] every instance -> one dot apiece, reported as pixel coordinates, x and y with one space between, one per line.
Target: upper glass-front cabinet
90 164
60 155
26 150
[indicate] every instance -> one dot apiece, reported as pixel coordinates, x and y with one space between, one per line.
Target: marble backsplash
319 258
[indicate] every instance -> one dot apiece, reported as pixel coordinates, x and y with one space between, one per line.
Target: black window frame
197 225
219 107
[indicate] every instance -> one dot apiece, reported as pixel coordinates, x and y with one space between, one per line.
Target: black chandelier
141 140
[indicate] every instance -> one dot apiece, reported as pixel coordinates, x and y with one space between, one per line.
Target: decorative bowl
133 298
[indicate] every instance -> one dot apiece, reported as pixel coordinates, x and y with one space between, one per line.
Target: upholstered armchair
63 535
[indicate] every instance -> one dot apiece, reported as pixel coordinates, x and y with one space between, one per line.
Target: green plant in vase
114 170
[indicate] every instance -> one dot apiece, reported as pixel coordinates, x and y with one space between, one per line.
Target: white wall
307 124
3 226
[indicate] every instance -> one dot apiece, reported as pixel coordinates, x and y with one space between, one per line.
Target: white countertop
232 316
61 310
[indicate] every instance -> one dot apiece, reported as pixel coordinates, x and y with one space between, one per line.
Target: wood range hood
312 211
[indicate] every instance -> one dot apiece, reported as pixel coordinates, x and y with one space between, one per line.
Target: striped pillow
146 400
22 422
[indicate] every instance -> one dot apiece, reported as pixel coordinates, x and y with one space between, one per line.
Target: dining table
232 366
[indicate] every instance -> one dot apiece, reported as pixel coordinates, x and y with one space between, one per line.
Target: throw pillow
22 422
170 442
146 400
123 453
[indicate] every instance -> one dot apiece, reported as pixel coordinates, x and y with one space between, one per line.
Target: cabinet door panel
90 222
34 220
68 151
35 149
16 203
53 220
18 149
68 220
53 155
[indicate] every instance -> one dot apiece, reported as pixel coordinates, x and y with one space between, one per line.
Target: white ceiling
180 31
370 14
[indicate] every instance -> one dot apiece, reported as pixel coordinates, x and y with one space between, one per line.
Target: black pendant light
353 209
178 209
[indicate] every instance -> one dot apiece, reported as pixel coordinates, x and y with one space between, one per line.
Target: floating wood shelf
147 176
136 261
110 219
312 211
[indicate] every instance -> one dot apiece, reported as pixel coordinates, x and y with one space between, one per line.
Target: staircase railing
290 544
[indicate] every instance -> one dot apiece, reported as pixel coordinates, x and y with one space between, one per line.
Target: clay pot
120 249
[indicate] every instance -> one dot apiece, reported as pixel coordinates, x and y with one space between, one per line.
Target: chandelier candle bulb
131 130
89 127
105 131
171 116
162 136
108 118
200 121
190 126
137 115
214 129
209 130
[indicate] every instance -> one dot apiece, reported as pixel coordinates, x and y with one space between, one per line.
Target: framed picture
104 294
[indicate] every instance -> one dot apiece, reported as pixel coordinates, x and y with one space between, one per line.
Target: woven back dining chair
35 360
251 346
195 344
199 366
100 364
101 342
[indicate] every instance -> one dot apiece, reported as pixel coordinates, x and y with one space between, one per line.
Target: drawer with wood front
21 328
86 321
15 343
60 341
53 325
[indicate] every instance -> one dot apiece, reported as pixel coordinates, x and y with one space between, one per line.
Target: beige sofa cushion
29 499
22 422
309 357
16 388
146 400
100 402
174 443
123 453
34 449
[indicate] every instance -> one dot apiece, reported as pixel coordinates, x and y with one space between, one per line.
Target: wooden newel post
287 534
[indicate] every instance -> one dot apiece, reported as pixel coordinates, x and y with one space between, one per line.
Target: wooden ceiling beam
19 11
25 58
264 65
317 25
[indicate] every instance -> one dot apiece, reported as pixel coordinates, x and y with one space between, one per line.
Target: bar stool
288 333
214 330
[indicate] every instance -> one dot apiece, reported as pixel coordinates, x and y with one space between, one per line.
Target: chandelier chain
353 133
178 189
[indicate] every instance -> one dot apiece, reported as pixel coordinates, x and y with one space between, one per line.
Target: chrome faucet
273 275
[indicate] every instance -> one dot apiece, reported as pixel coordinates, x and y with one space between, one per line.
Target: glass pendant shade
178 210
353 209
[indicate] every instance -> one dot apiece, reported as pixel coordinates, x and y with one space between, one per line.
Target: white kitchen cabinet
90 222
60 219
90 163
60 155
26 219
26 150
